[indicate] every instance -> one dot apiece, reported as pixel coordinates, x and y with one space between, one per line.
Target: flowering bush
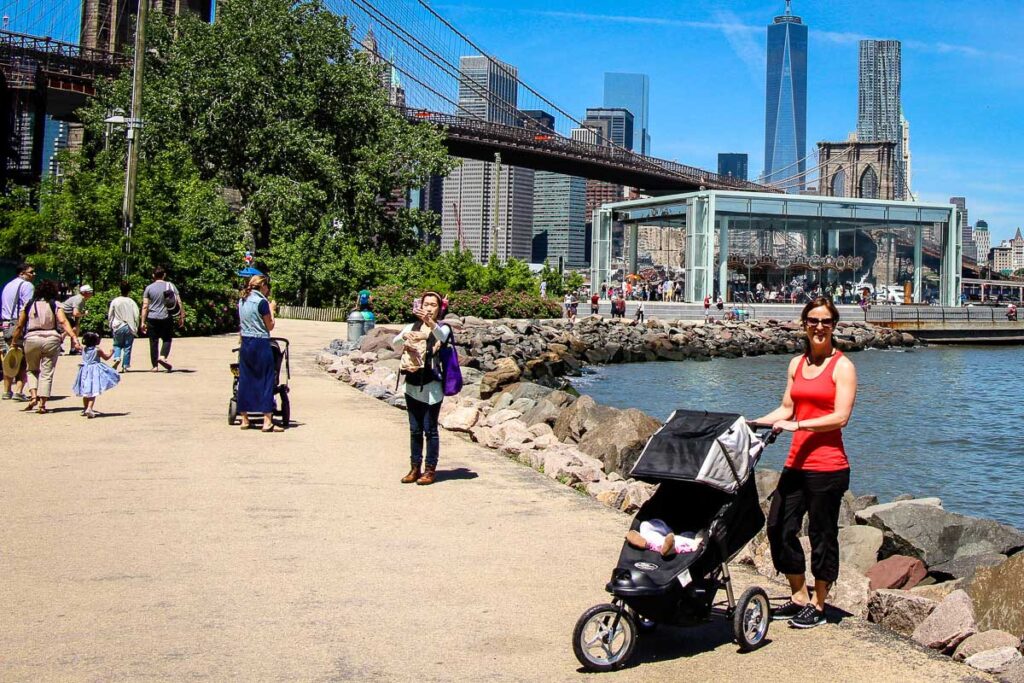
393 304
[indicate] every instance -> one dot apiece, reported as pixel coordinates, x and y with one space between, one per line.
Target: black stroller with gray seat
704 465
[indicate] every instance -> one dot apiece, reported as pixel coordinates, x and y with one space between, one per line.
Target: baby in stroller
656 535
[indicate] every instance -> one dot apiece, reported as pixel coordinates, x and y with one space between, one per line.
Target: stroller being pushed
282 405
704 464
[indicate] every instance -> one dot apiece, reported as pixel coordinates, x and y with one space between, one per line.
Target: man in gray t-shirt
158 320
74 309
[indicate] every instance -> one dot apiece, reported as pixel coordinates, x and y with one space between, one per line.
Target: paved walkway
157 543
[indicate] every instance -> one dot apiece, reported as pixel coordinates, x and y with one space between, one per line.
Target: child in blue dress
94 376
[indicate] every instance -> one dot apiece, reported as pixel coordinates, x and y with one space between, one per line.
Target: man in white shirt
123 316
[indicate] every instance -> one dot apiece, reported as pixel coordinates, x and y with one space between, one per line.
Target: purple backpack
451 373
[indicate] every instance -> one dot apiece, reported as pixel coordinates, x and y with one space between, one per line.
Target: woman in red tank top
816 405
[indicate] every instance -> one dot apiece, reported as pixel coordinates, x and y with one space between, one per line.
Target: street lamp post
133 125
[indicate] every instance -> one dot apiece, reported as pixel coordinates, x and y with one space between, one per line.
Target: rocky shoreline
948 581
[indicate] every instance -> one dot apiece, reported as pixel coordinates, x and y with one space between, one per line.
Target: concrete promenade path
157 543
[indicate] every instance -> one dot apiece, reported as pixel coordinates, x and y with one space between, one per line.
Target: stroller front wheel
232 411
604 637
751 619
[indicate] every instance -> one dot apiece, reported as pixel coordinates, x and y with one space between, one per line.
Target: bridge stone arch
867 186
838 183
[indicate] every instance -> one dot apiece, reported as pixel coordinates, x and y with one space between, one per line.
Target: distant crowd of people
36 321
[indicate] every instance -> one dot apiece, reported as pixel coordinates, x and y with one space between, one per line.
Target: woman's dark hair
46 290
23 268
817 302
126 288
90 339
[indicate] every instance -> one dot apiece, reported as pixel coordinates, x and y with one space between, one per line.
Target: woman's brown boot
428 476
414 475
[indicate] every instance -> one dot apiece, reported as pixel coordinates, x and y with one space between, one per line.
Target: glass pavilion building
734 239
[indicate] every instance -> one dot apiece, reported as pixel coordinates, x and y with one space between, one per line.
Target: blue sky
963 73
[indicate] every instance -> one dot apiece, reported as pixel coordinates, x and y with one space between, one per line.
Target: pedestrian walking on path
257 370
123 317
161 304
421 343
16 295
74 309
816 405
40 328
94 376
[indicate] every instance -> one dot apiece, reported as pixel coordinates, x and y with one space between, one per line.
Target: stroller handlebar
767 436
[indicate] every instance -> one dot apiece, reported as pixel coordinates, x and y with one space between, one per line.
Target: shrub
393 304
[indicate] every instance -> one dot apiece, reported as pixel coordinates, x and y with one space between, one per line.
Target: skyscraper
631 92
488 208
620 124
879 112
559 202
970 250
785 119
732 164
982 241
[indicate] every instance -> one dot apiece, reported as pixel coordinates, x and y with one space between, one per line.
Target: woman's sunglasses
814 322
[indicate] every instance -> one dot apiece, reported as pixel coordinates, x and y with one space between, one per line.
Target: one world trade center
785 119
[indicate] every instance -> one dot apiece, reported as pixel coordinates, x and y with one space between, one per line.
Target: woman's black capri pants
816 493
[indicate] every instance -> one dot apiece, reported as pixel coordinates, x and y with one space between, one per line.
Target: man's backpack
171 301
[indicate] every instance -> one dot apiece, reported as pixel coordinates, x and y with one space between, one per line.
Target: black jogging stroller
704 465
282 404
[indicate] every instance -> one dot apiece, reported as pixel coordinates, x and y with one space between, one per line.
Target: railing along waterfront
910 314
328 315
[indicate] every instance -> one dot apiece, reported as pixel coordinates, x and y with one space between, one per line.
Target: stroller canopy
698 446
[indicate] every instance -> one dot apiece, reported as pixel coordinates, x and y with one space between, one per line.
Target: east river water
941 421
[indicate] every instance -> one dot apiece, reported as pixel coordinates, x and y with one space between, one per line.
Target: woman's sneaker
787 611
809 617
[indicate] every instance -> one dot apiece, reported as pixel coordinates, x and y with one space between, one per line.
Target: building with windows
982 241
732 164
488 206
785 120
631 92
1002 258
879 109
559 220
617 121
1017 252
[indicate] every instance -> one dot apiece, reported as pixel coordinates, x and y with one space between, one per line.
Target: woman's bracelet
797 426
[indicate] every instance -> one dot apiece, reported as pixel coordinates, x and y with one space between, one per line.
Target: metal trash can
355 326
369 321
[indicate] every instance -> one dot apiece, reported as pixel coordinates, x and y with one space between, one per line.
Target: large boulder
937 591
851 592
618 438
994 661
1013 673
576 420
505 371
986 640
635 494
934 535
519 390
377 339
949 624
864 514
899 610
897 571
966 567
998 594
543 412
859 546
461 419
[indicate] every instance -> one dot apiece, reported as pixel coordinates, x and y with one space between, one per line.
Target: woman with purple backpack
426 350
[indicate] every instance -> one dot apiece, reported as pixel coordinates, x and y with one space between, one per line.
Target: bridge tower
108 24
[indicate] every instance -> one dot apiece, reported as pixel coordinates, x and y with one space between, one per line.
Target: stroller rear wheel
232 411
751 619
286 408
604 637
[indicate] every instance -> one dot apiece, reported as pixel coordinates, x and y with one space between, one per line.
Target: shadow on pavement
455 474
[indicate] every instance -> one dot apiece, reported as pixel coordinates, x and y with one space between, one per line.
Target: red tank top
816 451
